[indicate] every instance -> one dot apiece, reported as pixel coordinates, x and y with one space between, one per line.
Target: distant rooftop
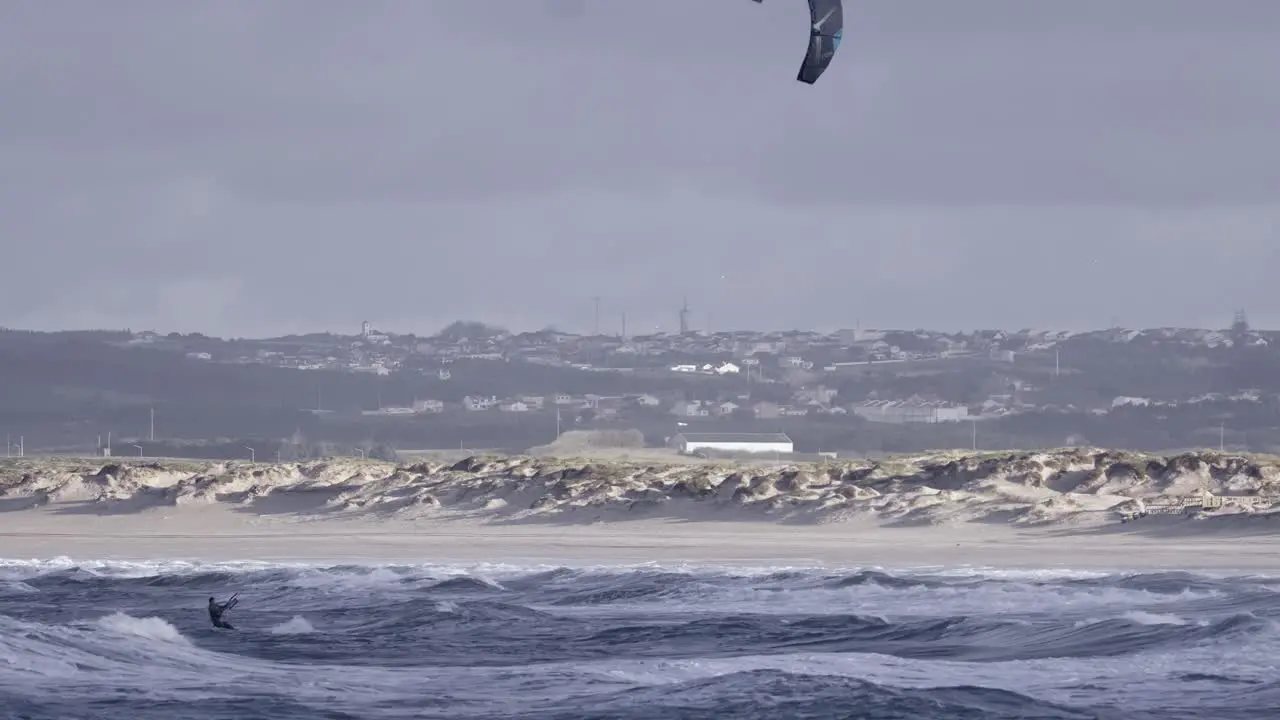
735 437
909 403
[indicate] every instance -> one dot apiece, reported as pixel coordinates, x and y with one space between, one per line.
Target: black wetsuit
216 610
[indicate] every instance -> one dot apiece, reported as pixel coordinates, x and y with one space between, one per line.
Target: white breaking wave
1149 618
489 572
297 625
151 628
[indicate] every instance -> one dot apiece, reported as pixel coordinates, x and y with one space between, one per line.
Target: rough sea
133 641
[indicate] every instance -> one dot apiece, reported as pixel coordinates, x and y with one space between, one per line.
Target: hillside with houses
859 390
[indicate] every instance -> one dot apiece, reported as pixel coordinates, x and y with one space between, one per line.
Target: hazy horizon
613 332
255 169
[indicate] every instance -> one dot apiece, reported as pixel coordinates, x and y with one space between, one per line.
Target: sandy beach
219 535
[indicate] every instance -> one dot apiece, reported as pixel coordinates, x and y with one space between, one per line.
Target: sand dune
1026 509
1076 487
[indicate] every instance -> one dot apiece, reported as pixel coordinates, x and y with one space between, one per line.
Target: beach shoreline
219 535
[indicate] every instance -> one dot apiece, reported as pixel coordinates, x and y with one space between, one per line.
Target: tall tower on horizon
1240 322
684 317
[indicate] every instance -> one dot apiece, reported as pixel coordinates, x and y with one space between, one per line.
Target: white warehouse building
734 442
890 411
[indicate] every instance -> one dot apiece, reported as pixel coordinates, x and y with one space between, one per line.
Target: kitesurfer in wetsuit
216 609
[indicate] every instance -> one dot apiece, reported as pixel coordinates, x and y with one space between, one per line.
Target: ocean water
133 641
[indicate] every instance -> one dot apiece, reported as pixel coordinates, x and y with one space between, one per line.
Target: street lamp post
252 455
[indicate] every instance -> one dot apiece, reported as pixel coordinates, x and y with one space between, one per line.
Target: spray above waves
150 628
296 625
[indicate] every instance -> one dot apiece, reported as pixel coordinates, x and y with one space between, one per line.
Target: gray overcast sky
252 167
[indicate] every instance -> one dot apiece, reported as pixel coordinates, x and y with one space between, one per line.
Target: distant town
794 358
471 383
763 357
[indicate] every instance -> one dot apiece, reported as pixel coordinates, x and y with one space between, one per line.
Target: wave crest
296 625
151 628
761 694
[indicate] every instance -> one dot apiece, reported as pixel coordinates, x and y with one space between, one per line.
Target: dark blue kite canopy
826 28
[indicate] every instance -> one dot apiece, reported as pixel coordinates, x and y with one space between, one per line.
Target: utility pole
153 425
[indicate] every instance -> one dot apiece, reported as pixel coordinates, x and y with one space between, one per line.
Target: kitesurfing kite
826 18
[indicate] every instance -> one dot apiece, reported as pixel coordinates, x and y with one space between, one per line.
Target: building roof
734 437
910 403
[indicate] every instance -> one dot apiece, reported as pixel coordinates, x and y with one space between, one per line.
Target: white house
727 407
734 442
1126 400
690 409
428 406
474 402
